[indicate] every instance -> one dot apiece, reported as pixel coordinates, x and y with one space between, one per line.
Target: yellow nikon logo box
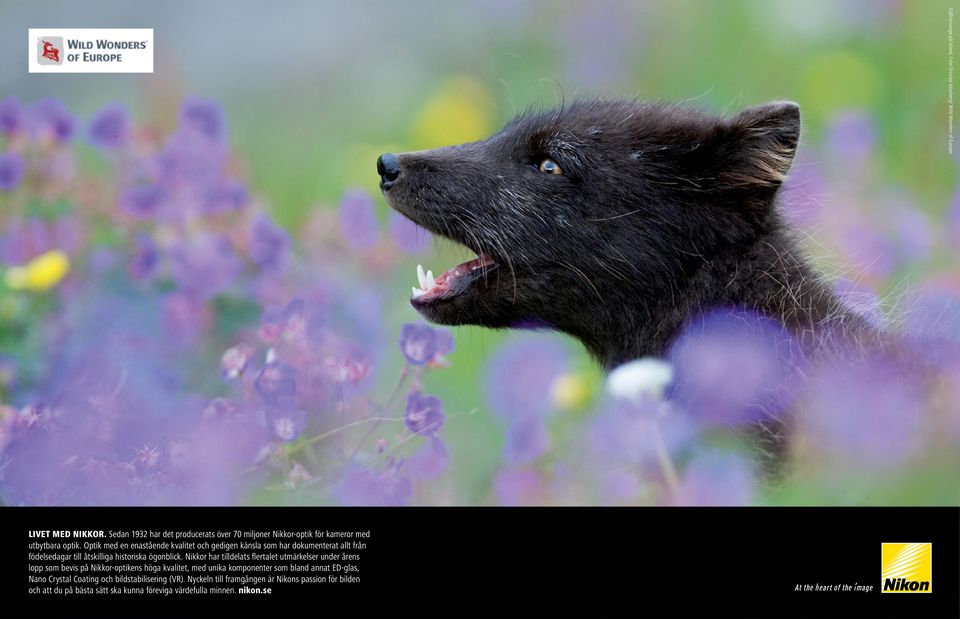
906 568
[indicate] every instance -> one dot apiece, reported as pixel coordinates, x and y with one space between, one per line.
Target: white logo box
93 50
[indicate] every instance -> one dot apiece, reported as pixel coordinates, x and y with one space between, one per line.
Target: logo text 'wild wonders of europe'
90 50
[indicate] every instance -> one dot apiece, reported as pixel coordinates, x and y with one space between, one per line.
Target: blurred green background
314 91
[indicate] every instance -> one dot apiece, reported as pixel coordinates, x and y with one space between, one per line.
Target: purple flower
618 486
734 366
144 262
144 201
298 476
623 433
803 193
204 117
102 260
860 300
953 216
366 488
184 316
11 116
934 312
205 266
147 457
358 221
11 171
518 487
276 383
430 460
110 127
290 322
57 168
418 342
423 414
367 326
271 326
176 451
234 361
224 197
521 372
68 233
934 325
870 249
191 162
123 428
410 238
445 343
345 371
716 478
527 439
50 117
25 240
851 138
422 344
599 45
268 243
864 413
8 373
951 403
915 235
286 423
221 409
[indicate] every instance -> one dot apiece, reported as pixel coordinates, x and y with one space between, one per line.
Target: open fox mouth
456 287
451 283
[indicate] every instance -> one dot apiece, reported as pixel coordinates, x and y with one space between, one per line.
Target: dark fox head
594 218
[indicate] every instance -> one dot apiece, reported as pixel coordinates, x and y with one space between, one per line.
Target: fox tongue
466 267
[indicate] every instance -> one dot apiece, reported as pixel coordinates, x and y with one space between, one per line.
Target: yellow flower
461 111
42 273
570 391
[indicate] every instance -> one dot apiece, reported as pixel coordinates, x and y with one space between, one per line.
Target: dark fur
662 213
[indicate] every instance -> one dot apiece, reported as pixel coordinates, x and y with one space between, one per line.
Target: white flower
640 380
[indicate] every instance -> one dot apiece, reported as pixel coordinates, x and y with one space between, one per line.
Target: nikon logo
903 585
906 568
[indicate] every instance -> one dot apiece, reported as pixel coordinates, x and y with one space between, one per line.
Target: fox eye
549 166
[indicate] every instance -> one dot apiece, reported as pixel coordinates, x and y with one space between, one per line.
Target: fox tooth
417 292
430 281
421 277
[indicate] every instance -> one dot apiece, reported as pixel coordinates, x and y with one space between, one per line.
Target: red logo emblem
50 51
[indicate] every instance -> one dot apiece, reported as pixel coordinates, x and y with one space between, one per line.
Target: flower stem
340 415
386 411
666 463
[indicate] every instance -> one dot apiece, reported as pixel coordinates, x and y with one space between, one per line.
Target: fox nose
388 166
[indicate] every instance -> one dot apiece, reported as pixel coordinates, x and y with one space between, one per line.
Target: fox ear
760 143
